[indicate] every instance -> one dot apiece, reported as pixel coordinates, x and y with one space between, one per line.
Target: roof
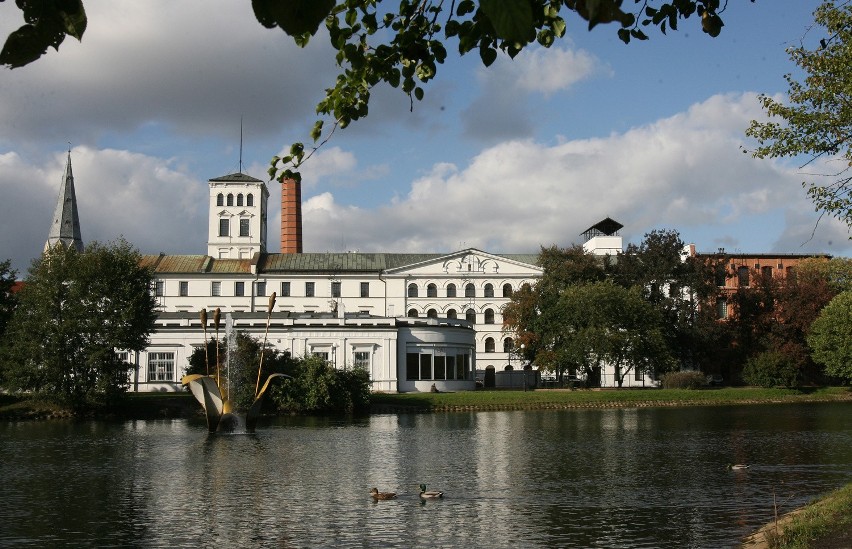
606 227
237 177
302 262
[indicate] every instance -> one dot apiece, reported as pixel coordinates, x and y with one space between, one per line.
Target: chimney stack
291 216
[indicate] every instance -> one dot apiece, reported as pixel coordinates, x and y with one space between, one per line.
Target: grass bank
825 523
563 398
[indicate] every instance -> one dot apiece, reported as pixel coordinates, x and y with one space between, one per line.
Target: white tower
237 218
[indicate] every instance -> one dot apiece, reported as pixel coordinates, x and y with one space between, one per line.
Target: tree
607 325
7 298
398 44
831 337
76 311
816 122
532 315
678 286
837 271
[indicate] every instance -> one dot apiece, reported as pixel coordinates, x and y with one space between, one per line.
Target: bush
771 369
684 380
320 388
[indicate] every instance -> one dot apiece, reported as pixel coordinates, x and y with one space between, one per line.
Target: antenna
241 144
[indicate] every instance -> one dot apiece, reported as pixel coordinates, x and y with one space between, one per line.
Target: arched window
249 199
469 290
489 290
451 313
412 290
412 313
507 290
432 313
431 290
230 200
470 316
489 316
220 199
451 290
526 287
240 199
508 368
508 344
489 344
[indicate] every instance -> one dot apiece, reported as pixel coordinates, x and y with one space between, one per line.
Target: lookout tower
602 238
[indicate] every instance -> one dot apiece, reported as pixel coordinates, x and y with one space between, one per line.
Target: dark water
587 478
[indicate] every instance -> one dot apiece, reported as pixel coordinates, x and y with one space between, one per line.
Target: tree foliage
7 298
816 119
398 44
830 337
321 388
76 311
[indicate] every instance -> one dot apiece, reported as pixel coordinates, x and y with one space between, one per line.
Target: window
285 289
425 366
159 288
489 316
766 272
451 290
721 275
240 199
412 366
412 290
451 313
239 288
791 274
309 289
440 367
489 290
489 344
161 366
365 289
362 360
215 289
335 289
508 344
412 313
123 356
230 200
260 288
249 199
220 199
507 290
432 313
223 226
637 374
721 308
742 277
470 291
431 290
184 288
321 354
244 226
470 316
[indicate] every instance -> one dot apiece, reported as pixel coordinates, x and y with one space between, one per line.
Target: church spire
65 228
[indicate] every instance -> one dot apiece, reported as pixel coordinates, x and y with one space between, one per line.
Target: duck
738 466
382 495
431 494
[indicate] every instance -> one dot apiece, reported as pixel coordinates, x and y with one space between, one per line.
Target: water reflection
582 478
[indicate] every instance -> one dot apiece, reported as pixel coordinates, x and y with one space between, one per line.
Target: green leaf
512 19
295 17
488 55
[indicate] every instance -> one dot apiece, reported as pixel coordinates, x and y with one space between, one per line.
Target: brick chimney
291 217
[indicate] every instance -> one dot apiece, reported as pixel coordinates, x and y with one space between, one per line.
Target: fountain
213 395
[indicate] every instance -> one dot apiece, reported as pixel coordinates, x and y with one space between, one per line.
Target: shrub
771 369
320 388
684 380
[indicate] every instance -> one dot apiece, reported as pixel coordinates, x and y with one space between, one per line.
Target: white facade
237 221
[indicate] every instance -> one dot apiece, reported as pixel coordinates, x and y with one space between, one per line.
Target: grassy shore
563 398
826 523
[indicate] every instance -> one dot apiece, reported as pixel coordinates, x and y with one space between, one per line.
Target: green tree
7 298
400 44
831 337
321 388
816 119
608 325
532 315
677 285
837 271
76 311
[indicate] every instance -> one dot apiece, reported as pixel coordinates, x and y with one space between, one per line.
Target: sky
527 153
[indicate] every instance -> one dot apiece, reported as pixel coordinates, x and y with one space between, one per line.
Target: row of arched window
469 315
508 345
452 291
222 200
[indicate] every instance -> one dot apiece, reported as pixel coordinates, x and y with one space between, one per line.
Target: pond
568 478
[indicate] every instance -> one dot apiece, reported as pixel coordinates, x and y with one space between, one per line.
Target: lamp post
523 346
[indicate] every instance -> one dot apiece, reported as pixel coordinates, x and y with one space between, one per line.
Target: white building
411 319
